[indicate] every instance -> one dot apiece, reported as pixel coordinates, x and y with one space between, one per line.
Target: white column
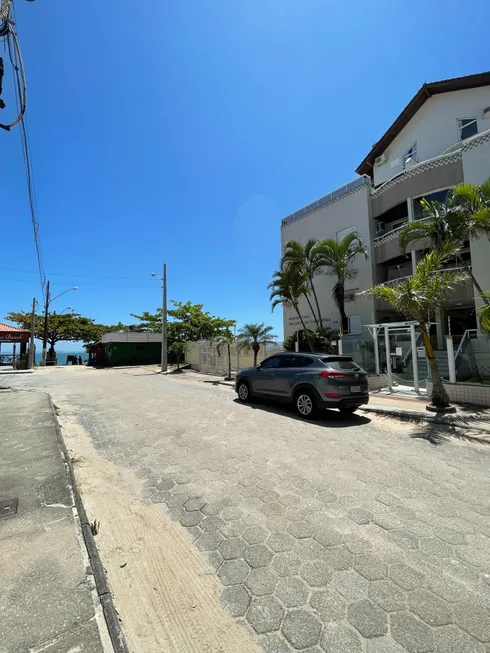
376 350
415 362
450 359
340 345
388 359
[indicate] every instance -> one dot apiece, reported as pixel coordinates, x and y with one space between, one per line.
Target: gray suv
310 382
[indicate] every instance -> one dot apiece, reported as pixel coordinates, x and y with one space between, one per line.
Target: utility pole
164 362
45 333
31 343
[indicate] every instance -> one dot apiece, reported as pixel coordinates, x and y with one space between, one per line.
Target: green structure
126 348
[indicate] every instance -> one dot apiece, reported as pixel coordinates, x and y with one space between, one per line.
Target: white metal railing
466 336
386 237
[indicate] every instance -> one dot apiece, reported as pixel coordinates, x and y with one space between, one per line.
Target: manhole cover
8 507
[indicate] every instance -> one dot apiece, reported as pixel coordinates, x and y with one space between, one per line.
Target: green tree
187 322
252 336
312 341
484 313
225 340
418 297
61 326
179 349
464 215
337 258
306 261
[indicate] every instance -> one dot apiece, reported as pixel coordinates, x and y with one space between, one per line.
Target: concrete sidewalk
48 600
475 418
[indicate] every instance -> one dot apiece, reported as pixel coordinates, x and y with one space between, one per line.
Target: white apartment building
440 139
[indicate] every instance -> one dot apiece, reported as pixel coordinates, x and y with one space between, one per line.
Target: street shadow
326 418
440 434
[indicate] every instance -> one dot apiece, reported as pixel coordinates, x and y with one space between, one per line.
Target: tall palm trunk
320 321
343 314
229 359
311 308
439 395
305 330
256 348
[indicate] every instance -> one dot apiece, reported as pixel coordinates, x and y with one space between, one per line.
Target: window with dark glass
467 127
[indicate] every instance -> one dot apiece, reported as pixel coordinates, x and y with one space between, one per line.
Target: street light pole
164 363
31 343
45 329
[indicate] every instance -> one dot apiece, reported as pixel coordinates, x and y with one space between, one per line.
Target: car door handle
269 374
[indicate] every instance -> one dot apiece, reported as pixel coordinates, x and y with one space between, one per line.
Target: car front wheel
304 403
243 392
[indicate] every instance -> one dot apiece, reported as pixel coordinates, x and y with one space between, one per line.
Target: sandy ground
167 597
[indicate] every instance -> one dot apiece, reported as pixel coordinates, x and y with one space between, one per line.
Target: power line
73 274
82 285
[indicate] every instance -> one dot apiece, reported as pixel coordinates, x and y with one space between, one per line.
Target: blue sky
184 131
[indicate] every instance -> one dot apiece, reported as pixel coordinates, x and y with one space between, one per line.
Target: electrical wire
75 274
83 285
20 86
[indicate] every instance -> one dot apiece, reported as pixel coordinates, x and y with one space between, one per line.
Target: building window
355 326
410 155
467 127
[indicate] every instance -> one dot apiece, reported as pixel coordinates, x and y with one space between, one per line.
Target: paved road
339 536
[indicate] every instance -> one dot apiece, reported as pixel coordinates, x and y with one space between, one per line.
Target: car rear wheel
305 405
347 410
243 392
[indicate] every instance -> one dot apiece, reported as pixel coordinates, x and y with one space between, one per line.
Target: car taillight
333 375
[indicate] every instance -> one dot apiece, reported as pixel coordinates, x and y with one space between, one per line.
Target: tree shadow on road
326 418
442 434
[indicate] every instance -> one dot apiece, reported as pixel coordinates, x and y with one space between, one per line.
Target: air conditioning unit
380 228
380 160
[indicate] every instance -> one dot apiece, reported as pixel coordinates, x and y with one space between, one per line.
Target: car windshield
341 363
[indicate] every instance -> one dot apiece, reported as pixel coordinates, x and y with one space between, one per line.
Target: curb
110 613
414 415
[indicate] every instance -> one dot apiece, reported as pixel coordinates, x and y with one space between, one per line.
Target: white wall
476 170
350 210
435 128
131 336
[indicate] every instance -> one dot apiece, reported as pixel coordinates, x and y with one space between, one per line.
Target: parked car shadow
326 418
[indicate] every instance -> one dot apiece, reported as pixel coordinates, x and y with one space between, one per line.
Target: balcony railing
386 246
441 172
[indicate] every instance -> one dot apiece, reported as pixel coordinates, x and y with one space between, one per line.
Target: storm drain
8 507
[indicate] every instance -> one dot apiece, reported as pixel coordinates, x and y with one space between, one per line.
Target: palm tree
337 257
179 349
484 313
225 339
464 215
418 297
306 261
252 336
287 288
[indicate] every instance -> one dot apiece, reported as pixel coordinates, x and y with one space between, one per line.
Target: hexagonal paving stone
418 528
411 633
453 640
472 556
210 509
328 536
209 541
384 645
308 549
236 600
405 576
233 572
274 643
177 500
191 518
265 614
286 564
473 618
292 592
195 504
403 539
436 547
215 559
232 548
388 596
369 619
258 555
338 557
211 524
255 535
329 605
360 516
301 629
449 535
165 484
233 528
301 529
231 513
316 573
340 637
261 581
387 521
280 542
370 567
357 545
430 608
351 585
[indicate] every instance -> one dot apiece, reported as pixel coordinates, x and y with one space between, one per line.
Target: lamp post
46 312
163 281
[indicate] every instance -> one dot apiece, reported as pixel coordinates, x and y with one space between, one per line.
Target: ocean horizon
61 356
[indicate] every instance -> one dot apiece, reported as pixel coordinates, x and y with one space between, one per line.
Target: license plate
355 388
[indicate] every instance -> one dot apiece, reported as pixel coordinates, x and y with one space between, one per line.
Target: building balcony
443 171
386 247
